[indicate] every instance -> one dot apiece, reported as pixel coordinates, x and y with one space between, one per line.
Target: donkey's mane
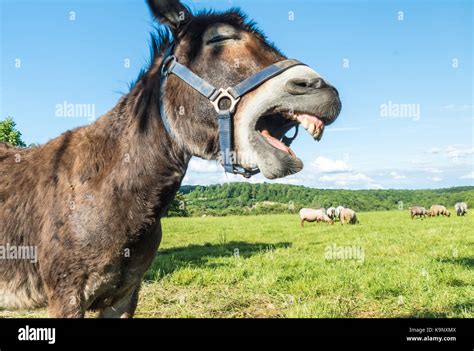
161 37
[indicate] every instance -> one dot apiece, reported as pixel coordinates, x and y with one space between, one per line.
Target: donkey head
224 49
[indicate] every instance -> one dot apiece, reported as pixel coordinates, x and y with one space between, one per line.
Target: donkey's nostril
303 83
317 83
300 86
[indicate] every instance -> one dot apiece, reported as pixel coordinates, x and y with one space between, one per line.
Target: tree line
249 199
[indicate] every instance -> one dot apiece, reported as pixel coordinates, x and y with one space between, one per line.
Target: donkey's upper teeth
312 124
318 134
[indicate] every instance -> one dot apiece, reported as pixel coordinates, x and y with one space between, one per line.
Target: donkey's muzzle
302 86
320 93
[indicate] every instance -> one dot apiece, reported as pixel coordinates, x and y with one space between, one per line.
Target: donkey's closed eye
222 38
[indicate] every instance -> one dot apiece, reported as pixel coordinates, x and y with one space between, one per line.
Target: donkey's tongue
276 143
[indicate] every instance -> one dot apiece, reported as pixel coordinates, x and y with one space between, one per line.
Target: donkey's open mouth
274 126
297 97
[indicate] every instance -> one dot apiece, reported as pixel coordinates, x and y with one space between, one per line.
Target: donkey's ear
170 12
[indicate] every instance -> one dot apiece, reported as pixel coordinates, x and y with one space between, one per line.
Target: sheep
418 211
461 208
325 218
348 216
331 212
312 215
437 210
338 211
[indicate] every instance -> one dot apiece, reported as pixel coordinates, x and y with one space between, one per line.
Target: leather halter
171 65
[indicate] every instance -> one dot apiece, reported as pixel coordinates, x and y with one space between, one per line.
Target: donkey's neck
133 158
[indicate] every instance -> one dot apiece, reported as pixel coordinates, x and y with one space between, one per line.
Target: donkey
90 200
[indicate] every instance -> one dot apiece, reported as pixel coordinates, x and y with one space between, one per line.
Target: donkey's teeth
318 133
312 124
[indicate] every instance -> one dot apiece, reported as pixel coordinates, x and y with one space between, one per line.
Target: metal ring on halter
224 94
168 65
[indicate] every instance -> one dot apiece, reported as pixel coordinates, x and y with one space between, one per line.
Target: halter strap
262 76
171 65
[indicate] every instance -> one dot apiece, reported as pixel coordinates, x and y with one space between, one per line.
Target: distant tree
178 207
9 134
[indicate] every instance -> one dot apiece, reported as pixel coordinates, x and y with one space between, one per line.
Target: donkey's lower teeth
276 143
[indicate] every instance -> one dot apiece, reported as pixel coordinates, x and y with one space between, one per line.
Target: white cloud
199 165
456 152
435 179
194 178
204 172
435 150
324 172
468 176
420 162
302 178
326 165
458 108
351 179
376 186
433 170
397 176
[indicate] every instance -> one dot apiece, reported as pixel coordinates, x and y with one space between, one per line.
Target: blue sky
415 54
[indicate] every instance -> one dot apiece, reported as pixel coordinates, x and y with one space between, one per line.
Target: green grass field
267 266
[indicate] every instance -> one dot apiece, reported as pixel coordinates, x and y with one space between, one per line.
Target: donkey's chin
275 163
